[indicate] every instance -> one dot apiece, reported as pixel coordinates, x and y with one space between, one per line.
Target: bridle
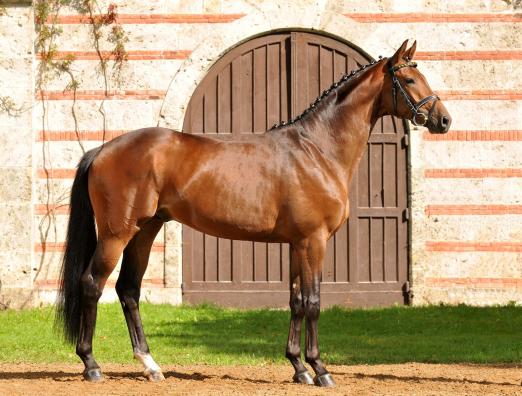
419 119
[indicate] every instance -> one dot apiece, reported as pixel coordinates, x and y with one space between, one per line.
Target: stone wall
465 186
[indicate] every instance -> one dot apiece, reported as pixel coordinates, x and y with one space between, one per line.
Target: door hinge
405 141
406 214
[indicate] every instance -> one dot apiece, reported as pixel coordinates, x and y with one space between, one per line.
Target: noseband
419 119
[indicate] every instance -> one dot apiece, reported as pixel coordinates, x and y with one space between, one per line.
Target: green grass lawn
207 334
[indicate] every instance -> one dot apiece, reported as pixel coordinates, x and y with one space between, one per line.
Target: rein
419 118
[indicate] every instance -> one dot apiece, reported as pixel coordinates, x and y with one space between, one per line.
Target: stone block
15 185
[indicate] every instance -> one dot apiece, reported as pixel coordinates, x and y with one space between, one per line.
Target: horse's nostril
444 122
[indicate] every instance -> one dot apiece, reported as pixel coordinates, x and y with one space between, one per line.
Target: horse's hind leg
93 281
134 264
293 348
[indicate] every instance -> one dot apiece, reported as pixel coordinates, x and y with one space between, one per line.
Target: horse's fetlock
312 356
293 352
83 349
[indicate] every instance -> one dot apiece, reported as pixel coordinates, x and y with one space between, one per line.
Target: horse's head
407 94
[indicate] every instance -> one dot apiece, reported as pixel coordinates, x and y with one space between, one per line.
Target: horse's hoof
324 380
153 376
303 377
93 375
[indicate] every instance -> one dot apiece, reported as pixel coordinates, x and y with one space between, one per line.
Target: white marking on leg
148 362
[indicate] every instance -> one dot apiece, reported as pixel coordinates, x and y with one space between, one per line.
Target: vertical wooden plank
259 81
285 263
362 182
376 169
196 255
339 68
238 266
313 74
247 125
285 111
390 175
188 254
247 261
377 250
273 81
238 104
363 250
329 261
326 57
260 262
210 108
351 64
224 95
211 258
391 269
224 260
196 116
341 254
274 262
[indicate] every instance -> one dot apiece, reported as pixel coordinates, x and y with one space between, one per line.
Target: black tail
79 248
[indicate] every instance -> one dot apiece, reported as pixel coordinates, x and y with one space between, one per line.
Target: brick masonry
465 186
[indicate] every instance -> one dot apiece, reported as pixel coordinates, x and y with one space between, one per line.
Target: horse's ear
399 54
408 55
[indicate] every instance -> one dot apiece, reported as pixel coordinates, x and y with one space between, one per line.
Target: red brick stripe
43 209
60 247
56 173
183 54
420 17
475 135
463 173
431 210
54 283
505 283
67 136
460 246
475 173
154 18
159 94
131 55
469 55
146 94
480 94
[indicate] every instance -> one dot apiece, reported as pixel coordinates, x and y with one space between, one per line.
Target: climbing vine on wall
53 65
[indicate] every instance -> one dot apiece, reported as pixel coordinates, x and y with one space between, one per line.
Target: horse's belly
249 212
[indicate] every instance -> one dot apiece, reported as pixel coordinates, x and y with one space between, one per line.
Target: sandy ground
403 379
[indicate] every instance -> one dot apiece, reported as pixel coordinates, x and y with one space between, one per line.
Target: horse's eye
410 81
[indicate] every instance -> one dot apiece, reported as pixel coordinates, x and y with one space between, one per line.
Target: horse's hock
450 226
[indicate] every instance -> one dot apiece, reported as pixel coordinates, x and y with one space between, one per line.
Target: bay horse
290 184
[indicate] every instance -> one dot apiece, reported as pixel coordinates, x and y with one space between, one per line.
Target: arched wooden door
261 82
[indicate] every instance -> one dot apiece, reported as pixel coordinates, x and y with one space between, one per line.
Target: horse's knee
312 306
296 306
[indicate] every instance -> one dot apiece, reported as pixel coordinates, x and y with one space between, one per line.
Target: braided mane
345 78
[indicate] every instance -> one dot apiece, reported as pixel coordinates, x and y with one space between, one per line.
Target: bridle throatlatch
418 119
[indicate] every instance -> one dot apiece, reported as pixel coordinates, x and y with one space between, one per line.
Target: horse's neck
343 132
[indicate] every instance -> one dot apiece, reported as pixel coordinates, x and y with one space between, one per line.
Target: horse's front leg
311 272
